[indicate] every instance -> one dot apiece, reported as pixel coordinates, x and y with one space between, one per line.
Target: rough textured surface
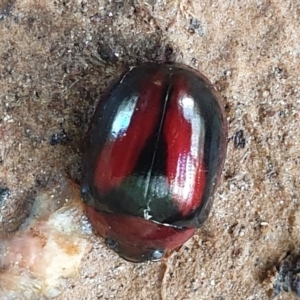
57 57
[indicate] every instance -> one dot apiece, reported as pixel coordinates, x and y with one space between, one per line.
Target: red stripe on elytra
185 168
119 154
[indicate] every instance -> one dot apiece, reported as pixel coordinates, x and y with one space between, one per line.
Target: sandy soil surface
57 57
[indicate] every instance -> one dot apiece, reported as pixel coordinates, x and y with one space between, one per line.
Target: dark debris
4 194
5 8
59 138
197 27
106 53
288 276
239 139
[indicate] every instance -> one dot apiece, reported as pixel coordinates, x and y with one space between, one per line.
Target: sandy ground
57 57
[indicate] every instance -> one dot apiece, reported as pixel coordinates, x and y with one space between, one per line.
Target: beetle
154 153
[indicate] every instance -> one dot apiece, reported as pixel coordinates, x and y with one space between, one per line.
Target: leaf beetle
154 153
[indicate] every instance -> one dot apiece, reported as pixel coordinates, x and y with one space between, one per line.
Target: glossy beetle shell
154 152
